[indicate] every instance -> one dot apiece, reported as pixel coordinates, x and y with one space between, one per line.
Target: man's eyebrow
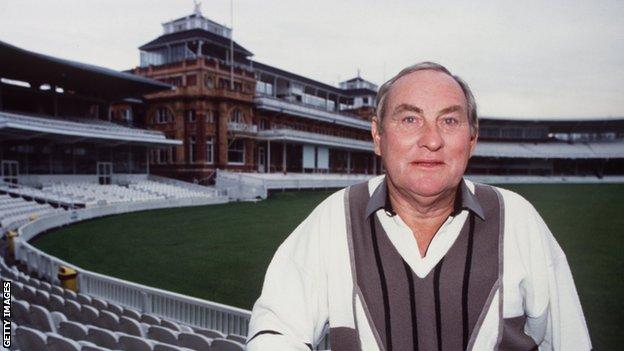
407 107
450 109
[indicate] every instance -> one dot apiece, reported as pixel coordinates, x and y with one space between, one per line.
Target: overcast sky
521 58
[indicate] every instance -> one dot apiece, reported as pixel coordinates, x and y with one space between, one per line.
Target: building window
208 82
190 116
191 80
209 150
191 150
209 116
163 115
263 124
237 116
365 100
236 152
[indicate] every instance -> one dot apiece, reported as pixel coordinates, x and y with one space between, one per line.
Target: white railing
177 307
242 127
241 185
315 138
274 104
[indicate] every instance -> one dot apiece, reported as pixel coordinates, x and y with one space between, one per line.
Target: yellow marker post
11 235
67 276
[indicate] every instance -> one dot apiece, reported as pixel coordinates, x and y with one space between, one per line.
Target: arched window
237 116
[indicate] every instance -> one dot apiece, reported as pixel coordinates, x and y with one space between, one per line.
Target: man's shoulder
511 199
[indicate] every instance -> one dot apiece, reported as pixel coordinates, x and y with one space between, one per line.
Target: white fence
177 307
242 186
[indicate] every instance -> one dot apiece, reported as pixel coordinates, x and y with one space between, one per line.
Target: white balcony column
274 86
348 162
284 157
268 156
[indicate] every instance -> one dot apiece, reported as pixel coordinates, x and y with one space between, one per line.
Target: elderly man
421 259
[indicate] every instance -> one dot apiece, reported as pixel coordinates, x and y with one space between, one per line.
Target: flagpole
231 44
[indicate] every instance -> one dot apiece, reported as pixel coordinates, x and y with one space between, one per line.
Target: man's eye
450 121
409 119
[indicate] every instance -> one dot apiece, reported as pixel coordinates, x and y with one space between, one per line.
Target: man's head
425 129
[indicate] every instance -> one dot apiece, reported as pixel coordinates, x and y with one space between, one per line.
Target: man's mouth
427 163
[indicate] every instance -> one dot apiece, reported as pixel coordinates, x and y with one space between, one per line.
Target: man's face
425 140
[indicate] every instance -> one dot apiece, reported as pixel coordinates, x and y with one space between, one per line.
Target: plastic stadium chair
171 325
167 347
134 343
116 309
238 338
209 333
108 320
150 319
57 303
43 320
46 286
35 283
30 293
17 290
57 290
226 345
134 314
132 327
20 312
59 343
194 341
88 314
162 334
103 338
70 294
83 299
73 310
42 298
99 303
73 330
30 339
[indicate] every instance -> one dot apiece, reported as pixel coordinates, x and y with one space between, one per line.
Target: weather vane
197 7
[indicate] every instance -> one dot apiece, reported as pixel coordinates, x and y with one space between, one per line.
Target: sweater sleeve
292 312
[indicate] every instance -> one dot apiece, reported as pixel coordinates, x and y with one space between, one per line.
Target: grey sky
521 58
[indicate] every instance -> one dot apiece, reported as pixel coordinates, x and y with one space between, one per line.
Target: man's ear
376 133
473 142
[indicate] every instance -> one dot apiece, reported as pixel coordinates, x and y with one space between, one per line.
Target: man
421 259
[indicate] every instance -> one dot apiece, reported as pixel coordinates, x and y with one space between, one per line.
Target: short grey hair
382 94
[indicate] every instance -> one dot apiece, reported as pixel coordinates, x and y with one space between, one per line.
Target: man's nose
430 137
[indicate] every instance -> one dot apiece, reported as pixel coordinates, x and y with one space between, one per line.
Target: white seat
150 319
108 320
59 343
73 330
116 309
88 314
194 341
134 314
171 325
70 294
99 303
168 347
43 320
29 339
57 290
83 299
210 333
226 345
42 297
73 310
162 334
133 327
57 303
20 312
134 343
238 338
103 338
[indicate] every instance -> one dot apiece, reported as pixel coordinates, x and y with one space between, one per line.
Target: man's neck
423 215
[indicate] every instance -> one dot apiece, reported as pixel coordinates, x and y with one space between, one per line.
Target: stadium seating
15 212
47 317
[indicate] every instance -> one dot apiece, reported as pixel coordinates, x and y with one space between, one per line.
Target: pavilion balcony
268 103
297 136
242 127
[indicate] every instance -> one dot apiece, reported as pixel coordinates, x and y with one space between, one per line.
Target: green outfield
221 252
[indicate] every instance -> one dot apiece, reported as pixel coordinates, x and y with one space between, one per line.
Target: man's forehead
427 86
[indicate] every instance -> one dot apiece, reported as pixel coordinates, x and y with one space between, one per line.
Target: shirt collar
465 199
